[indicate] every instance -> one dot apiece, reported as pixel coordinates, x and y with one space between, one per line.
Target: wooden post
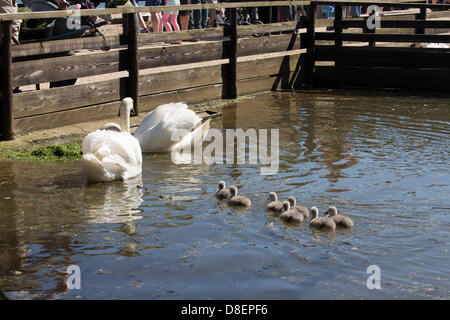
421 16
132 56
367 30
311 46
338 41
338 25
6 89
231 78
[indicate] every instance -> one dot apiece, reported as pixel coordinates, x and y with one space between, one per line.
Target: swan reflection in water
115 202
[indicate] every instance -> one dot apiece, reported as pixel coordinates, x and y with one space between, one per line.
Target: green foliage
69 151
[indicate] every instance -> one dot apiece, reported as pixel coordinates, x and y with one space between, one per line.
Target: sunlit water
382 159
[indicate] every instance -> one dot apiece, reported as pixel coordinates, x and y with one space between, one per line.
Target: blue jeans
355 11
200 16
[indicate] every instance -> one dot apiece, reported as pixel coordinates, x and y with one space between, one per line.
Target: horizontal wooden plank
402 4
145 9
422 79
189 96
180 79
77 66
400 57
62 68
268 67
176 55
400 23
267 83
366 37
57 119
47 47
193 34
109 110
146 103
65 98
70 97
284 42
248 30
393 57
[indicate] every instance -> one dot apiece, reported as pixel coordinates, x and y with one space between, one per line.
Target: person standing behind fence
155 16
184 15
171 16
10 6
200 16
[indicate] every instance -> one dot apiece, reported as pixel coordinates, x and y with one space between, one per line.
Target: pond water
382 158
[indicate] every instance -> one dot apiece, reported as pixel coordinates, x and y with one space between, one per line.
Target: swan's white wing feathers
110 155
156 130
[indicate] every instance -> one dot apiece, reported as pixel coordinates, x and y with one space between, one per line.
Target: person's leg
184 16
173 22
155 16
204 20
212 14
156 21
184 21
165 21
15 25
197 15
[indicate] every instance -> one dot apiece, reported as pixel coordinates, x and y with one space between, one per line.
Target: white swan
111 155
156 129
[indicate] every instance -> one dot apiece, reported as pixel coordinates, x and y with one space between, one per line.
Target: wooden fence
357 61
224 63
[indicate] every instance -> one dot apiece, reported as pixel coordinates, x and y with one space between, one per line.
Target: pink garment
173 21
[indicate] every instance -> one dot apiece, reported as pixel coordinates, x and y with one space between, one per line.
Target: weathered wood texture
230 52
276 43
56 46
385 57
311 44
62 68
195 84
6 95
146 102
65 98
369 77
366 37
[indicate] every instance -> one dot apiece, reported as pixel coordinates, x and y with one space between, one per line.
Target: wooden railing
226 74
387 65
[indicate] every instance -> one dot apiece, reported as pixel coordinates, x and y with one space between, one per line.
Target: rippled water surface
382 159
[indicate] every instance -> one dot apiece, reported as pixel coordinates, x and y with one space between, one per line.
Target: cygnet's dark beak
326 212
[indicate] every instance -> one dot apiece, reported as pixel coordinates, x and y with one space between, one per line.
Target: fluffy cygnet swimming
304 211
235 200
222 192
274 205
290 215
322 222
339 220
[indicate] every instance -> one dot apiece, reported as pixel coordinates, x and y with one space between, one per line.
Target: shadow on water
381 158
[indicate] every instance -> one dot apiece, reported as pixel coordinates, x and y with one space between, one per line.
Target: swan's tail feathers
94 170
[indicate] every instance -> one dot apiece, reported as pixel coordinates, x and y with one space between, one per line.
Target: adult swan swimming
111 154
169 127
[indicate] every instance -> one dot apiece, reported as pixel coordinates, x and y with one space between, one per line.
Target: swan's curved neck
125 120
